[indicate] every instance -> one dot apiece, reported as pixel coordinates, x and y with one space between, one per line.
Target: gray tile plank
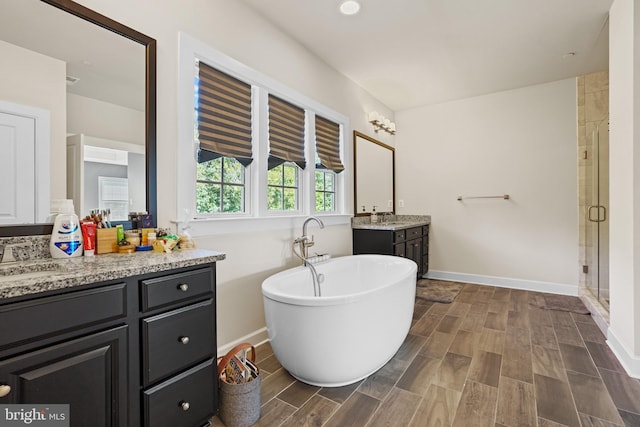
624 390
298 393
453 371
589 421
380 383
426 325
438 407
437 345
356 411
516 403
591 397
477 406
603 357
339 394
419 374
274 413
554 401
449 324
548 362
485 368
274 384
315 412
465 343
396 410
516 358
577 359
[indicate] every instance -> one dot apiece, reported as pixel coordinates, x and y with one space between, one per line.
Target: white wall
624 184
520 142
229 26
47 90
96 118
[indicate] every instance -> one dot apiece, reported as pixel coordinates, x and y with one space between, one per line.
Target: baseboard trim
629 362
255 338
505 282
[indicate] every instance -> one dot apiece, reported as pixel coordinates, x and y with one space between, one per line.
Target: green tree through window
325 191
283 187
220 186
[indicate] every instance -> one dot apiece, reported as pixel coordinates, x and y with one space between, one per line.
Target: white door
17 169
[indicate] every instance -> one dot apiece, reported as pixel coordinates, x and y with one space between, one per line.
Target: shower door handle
597 219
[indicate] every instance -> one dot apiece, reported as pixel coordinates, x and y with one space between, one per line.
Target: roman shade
328 145
286 133
224 116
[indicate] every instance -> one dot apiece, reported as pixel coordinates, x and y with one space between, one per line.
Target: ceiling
409 53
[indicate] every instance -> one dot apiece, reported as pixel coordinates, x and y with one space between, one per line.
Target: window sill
245 225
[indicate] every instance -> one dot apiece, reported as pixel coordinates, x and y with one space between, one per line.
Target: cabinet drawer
175 339
47 316
399 236
176 287
185 400
414 233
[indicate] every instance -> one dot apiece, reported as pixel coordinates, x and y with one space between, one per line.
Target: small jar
133 237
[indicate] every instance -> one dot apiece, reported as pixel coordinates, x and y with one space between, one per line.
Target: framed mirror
100 99
374 175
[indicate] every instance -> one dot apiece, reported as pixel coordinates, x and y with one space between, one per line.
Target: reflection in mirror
96 79
374 182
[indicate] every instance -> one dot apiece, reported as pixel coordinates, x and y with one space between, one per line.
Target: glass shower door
597 220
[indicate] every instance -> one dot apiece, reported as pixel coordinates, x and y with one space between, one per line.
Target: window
223 117
286 154
325 191
283 188
328 163
258 151
220 186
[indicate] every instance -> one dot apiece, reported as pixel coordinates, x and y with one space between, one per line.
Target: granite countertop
396 222
31 277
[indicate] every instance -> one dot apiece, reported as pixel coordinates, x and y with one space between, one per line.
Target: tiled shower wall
593 107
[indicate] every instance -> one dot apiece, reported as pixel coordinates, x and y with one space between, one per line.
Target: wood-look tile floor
490 358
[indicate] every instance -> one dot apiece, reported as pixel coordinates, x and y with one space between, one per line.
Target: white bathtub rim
337 299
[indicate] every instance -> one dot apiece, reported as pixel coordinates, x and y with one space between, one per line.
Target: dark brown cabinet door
414 253
88 373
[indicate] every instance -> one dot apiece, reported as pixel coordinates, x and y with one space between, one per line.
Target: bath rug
561 303
438 290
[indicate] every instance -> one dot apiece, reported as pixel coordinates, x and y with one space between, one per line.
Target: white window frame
256 173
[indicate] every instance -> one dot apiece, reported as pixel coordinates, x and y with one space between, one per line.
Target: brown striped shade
286 133
328 144
224 116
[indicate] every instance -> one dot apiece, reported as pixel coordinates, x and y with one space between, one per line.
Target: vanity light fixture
380 122
349 7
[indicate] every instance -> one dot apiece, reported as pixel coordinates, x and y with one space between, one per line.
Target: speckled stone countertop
31 277
392 222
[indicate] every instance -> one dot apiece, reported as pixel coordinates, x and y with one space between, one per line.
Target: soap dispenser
374 215
66 238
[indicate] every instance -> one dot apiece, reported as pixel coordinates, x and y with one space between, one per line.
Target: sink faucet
304 241
9 256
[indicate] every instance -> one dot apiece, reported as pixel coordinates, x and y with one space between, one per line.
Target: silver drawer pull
184 340
183 287
184 405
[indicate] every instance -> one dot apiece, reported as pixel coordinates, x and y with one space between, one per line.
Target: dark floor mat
438 290
561 303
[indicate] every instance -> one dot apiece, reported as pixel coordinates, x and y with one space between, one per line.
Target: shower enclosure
596 212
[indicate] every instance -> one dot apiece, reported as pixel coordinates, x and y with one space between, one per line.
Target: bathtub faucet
304 241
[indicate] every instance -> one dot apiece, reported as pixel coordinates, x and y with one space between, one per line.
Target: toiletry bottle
374 216
66 237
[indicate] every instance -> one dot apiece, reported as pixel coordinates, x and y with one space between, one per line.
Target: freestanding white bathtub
353 329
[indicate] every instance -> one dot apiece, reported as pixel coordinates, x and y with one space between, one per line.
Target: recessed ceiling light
350 7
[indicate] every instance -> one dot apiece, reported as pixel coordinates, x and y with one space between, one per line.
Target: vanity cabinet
139 351
412 243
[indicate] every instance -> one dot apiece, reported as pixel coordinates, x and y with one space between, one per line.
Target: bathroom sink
28 271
